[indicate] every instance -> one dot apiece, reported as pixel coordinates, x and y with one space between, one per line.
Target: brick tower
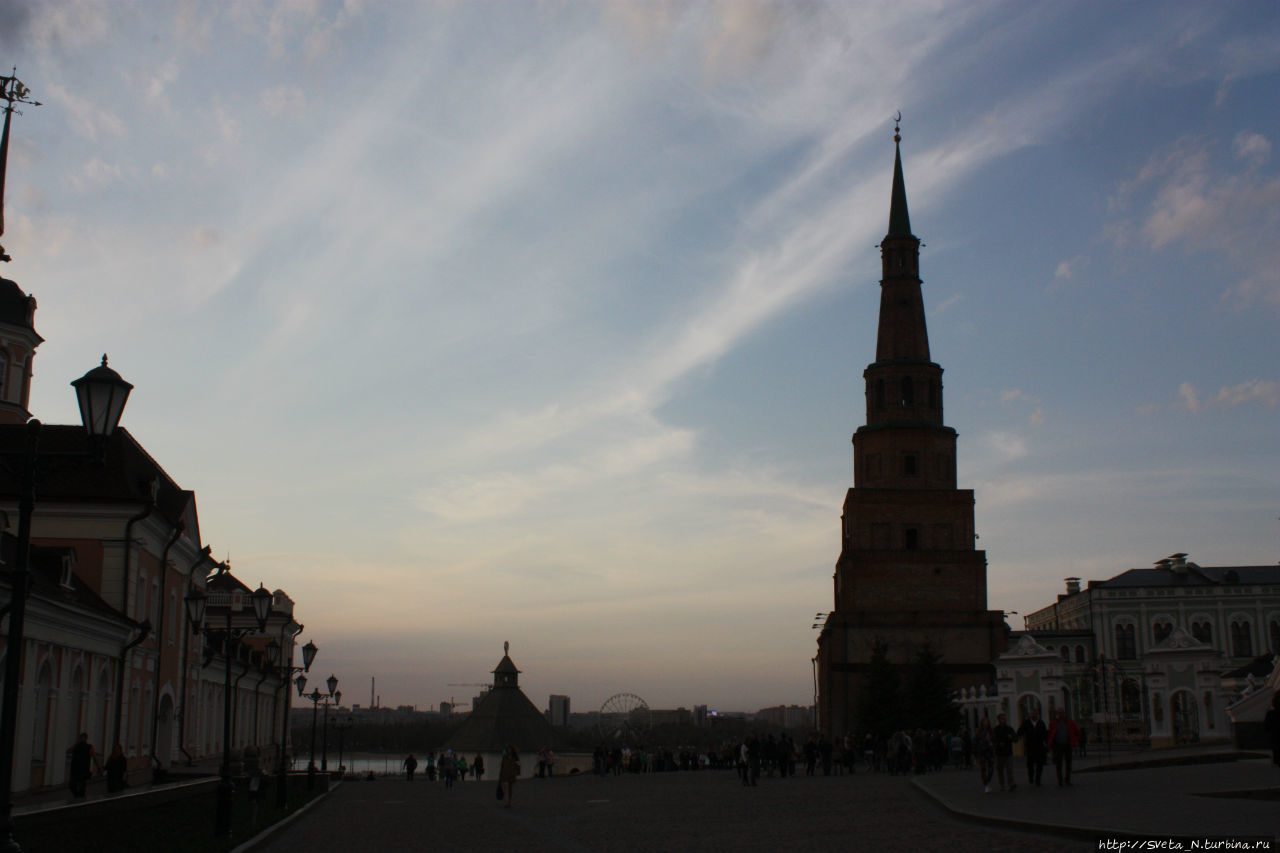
908 572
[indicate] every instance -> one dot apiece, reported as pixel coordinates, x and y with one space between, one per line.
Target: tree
927 693
879 701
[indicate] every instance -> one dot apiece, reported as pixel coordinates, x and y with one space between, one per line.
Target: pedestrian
116 767
477 766
410 765
1063 735
83 760
985 752
1002 738
462 768
448 768
1271 724
1084 743
510 770
1035 743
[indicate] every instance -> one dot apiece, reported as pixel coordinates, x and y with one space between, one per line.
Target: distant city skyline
483 322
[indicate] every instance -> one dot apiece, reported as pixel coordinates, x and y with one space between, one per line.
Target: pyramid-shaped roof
504 716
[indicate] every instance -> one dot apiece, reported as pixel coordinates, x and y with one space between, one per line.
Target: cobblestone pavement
708 810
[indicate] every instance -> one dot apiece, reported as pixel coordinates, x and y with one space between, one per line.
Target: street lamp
103 395
332 684
316 698
197 602
274 651
342 724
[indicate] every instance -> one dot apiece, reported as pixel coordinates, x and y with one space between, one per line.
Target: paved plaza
712 811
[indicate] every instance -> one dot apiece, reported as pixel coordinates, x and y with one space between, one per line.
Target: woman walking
986 752
510 770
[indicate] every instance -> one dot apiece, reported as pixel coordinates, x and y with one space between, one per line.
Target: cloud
86 118
1007 446
284 100
1036 418
96 173
1189 397
1191 204
160 80
1264 392
1253 147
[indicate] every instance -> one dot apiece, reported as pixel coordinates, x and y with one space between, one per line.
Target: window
1130 696
1126 642
1079 654
909 465
908 392
1202 631
880 394
1160 631
912 538
1241 639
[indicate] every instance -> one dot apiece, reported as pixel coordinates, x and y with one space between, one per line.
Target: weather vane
11 92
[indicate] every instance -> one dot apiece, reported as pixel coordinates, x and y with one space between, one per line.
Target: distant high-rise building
558 710
908 572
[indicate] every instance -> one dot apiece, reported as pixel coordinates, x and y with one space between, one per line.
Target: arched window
1079 654
1241 639
1126 642
1202 631
1160 631
880 394
908 392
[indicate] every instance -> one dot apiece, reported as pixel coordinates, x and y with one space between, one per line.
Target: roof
68 472
46 564
16 307
1195 575
1259 667
504 716
899 218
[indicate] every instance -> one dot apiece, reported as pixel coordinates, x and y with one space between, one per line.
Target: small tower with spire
908 574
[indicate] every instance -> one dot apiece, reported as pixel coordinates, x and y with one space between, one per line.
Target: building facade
908 574
115 547
1143 656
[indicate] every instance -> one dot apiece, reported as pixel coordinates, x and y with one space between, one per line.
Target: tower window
880 394
909 465
1241 639
911 539
908 392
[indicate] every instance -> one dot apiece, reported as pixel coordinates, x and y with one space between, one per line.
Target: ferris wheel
625 718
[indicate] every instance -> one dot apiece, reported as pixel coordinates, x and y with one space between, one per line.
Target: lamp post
332 684
274 650
316 698
196 603
102 395
342 724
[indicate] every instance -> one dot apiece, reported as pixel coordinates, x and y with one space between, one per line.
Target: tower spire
899 219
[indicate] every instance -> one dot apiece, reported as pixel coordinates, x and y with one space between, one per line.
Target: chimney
1178 563
1073 586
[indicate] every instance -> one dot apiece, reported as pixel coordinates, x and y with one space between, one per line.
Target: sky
544 322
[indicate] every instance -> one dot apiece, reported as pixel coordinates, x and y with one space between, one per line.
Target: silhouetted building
908 573
503 716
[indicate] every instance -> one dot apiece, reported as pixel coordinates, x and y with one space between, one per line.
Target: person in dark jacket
1035 743
1271 723
1002 739
1063 735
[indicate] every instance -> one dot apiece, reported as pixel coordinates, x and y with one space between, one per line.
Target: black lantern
261 606
301 681
196 602
337 697
332 683
102 394
308 655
